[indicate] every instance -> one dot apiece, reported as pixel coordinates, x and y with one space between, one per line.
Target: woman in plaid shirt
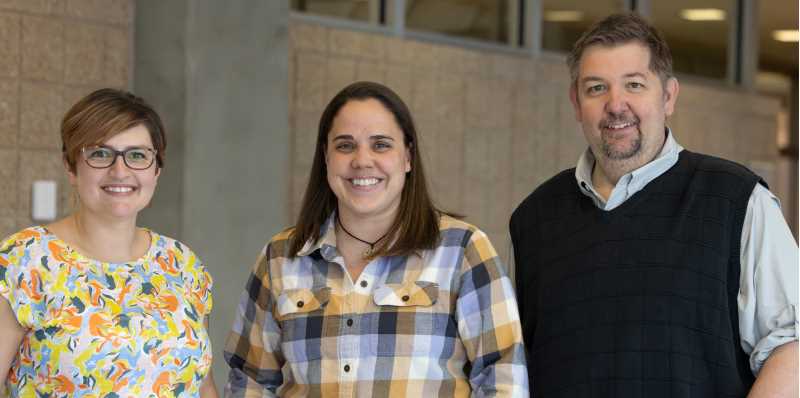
375 292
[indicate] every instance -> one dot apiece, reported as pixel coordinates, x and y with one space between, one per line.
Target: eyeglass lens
135 158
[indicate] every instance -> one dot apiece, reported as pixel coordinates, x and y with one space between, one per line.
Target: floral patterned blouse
98 329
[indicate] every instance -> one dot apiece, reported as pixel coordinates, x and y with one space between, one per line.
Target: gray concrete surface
217 72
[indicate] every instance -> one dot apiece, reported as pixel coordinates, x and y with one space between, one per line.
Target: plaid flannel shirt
442 322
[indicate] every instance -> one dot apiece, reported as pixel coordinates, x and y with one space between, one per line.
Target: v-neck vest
639 301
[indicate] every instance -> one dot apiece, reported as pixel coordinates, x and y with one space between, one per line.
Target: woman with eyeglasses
375 292
92 304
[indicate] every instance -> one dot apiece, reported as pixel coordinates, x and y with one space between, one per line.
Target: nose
361 158
118 168
617 102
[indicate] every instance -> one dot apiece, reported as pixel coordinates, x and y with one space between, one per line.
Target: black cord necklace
371 249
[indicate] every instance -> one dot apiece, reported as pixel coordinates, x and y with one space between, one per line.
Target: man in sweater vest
649 270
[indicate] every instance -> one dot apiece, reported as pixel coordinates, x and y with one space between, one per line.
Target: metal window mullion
642 7
743 44
397 16
532 27
374 12
513 21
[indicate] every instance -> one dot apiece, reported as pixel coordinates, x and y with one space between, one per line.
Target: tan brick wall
493 126
52 52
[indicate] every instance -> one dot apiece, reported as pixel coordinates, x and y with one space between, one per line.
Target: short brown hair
103 114
416 225
617 29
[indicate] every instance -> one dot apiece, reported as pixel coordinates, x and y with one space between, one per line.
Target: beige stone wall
493 126
52 52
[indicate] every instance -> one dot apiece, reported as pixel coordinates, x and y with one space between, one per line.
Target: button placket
348 340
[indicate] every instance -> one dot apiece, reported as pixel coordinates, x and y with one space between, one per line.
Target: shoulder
280 243
32 253
713 164
560 184
24 243
165 245
455 232
721 177
24 237
449 225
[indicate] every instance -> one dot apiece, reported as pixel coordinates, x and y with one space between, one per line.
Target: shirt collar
630 183
326 244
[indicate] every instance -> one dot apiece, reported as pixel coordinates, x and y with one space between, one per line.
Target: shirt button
300 304
363 283
349 322
405 298
346 368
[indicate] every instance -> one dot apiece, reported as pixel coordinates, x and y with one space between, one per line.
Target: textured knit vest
639 301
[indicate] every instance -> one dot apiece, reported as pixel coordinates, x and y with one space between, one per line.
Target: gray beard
613 154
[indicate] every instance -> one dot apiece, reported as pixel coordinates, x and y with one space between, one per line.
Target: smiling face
117 191
622 105
367 160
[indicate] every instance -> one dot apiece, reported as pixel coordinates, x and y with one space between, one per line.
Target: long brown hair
416 225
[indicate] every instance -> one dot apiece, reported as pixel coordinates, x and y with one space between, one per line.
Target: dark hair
416 225
104 113
617 29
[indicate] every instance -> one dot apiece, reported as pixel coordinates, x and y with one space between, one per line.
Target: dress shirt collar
631 183
326 244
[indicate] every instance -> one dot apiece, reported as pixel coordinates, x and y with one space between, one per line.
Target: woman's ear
71 175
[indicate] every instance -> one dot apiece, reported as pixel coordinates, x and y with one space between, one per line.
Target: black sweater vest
639 301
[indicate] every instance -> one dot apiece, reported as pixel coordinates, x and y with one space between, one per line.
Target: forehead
608 61
369 116
137 135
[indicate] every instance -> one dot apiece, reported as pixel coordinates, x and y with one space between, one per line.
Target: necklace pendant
367 253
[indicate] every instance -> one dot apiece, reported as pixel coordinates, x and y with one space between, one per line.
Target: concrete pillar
217 72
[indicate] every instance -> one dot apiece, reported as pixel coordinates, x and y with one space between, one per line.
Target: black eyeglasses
101 157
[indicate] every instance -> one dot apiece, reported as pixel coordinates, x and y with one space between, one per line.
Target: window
698 33
563 21
475 19
358 10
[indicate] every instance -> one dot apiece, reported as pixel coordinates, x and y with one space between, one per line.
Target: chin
124 212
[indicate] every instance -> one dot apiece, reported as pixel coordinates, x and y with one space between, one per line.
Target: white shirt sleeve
767 300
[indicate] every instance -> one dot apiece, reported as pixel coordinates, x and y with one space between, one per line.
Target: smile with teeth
619 126
118 189
364 182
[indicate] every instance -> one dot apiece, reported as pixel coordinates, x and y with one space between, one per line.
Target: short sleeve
21 281
199 283
204 288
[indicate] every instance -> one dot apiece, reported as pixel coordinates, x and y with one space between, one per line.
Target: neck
370 228
102 238
606 172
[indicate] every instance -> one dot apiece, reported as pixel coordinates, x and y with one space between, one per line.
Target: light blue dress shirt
768 311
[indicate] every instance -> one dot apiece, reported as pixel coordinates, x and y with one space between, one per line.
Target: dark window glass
358 10
698 33
563 21
475 19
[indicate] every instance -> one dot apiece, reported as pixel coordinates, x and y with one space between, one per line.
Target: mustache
618 119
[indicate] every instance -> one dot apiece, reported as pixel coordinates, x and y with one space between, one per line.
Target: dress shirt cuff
784 330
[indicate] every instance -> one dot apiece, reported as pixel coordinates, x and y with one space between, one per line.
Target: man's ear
576 104
671 89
